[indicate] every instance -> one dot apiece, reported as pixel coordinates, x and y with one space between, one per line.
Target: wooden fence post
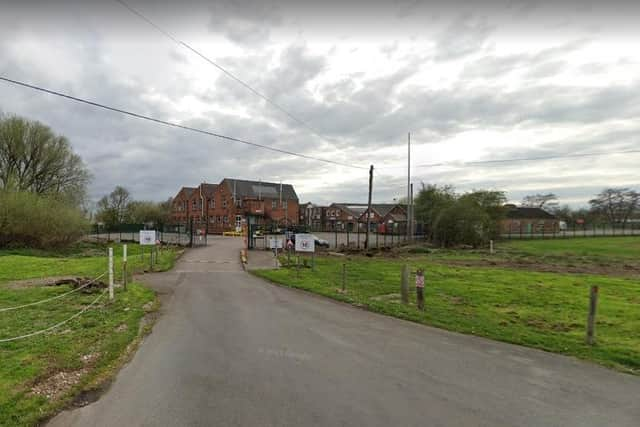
344 276
404 284
111 273
124 266
591 322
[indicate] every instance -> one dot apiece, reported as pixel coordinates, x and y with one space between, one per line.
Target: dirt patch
38 282
625 270
58 384
88 283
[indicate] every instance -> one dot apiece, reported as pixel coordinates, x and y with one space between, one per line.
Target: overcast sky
471 81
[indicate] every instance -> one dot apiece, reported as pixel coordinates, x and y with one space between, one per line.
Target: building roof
360 208
188 191
398 217
520 212
208 190
260 189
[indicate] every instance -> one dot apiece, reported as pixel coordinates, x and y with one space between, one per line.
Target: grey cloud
246 22
463 36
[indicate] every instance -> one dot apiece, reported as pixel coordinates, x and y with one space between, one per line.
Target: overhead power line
519 159
224 70
176 125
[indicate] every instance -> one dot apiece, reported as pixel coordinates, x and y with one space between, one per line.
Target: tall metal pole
408 184
411 222
366 243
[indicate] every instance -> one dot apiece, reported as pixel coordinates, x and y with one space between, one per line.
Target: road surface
232 350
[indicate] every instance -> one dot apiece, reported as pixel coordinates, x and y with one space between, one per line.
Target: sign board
148 237
305 243
275 242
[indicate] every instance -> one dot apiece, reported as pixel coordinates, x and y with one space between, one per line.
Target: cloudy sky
471 81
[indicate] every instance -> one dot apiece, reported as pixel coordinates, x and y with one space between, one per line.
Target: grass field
600 248
82 352
545 310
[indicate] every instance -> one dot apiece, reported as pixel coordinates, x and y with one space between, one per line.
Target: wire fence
572 231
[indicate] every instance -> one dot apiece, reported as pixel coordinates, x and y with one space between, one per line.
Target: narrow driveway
232 350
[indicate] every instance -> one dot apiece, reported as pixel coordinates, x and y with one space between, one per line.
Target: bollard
591 321
404 284
124 266
111 273
420 288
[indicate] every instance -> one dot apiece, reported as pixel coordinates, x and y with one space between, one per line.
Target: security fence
576 230
172 234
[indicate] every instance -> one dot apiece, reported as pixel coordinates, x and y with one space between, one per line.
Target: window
219 219
274 204
224 203
226 219
284 204
212 219
238 203
212 203
194 203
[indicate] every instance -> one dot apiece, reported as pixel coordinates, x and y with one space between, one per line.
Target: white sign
275 242
148 237
305 243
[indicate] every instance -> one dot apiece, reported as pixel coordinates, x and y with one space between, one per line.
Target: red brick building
385 217
525 220
223 207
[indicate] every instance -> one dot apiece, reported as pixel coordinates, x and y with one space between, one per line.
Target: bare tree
616 204
541 201
114 208
34 159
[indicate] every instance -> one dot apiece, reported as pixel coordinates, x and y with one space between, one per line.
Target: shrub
37 221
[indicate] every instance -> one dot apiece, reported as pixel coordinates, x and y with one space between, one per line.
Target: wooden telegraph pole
366 243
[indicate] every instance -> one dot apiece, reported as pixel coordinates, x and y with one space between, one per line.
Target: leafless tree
616 204
114 208
541 201
34 159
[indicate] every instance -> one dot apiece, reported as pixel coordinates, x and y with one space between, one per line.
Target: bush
36 221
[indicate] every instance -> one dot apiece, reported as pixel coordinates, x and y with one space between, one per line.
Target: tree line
473 218
43 183
118 208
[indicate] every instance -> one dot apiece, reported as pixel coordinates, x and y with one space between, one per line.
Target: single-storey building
528 220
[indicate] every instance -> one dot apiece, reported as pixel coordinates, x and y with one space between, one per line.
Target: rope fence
57 325
92 281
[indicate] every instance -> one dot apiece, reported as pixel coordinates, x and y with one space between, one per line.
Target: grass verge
541 310
42 374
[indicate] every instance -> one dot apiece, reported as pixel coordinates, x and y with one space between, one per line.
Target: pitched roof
208 189
528 213
188 191
359 208
262 189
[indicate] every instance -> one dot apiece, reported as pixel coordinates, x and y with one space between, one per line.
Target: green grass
541 310
600 248
102 332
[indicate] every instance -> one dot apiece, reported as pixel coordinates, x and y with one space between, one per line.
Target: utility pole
408 185
366 242
410 223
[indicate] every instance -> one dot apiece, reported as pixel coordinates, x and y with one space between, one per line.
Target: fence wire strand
57 325
92 281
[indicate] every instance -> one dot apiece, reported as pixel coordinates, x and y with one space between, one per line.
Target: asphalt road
232 350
